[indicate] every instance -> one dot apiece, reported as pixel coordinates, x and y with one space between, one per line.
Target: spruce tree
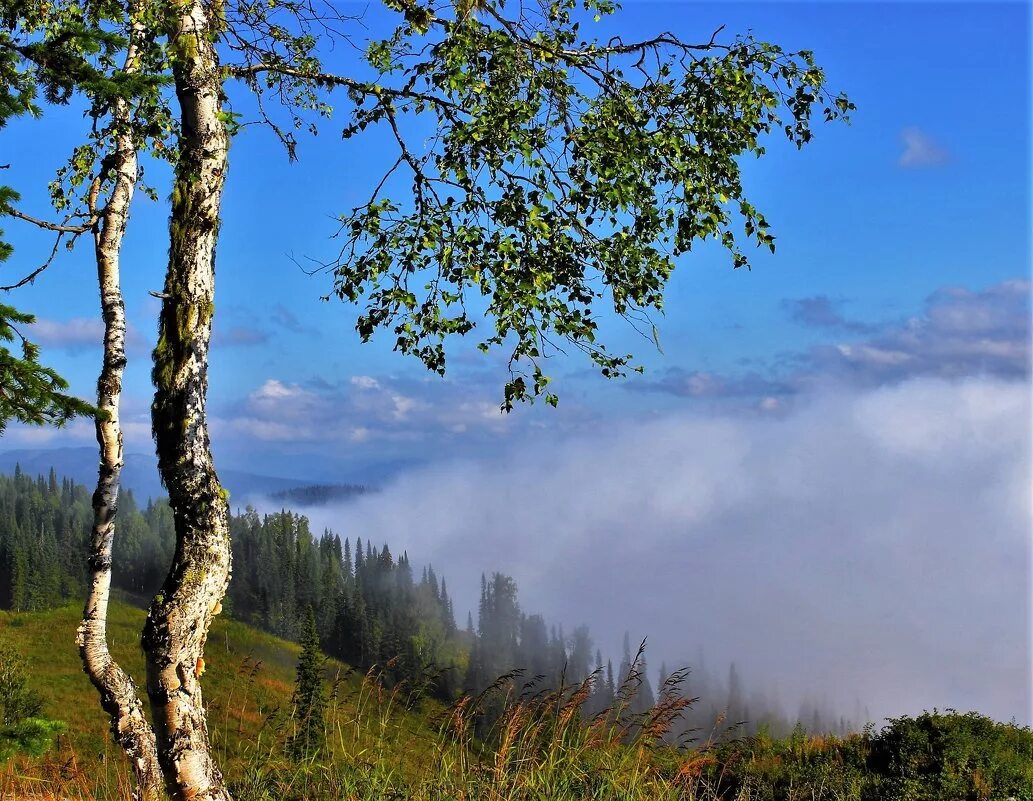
309 697
22 728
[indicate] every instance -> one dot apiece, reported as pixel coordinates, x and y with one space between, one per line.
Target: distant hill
320 494
140 473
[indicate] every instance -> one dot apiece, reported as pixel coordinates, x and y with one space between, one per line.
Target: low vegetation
23 728
249 679
381 742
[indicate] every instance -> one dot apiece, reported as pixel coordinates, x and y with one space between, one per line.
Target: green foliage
54 50
32 736
370 610
48 53
248 686
941 756
17 700
538 750
45 527
58 49
62 49
935 756
22 728
309 700
565 175
29 391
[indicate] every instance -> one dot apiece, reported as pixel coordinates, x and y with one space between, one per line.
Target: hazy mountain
140 473
319 494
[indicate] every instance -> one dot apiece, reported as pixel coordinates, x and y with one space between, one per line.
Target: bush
22 728
936 756
946 756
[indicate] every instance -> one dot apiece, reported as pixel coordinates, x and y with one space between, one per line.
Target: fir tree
309 697
22 729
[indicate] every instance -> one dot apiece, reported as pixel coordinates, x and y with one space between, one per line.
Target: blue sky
858 221
860 400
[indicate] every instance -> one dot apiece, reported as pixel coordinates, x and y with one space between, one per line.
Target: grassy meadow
382 745
248 683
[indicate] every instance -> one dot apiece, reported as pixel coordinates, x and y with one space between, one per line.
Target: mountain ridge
140 473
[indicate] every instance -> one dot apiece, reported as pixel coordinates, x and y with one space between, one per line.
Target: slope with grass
248 682
543 745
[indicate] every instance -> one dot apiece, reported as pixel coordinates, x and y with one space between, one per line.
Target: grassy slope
248 677
383 752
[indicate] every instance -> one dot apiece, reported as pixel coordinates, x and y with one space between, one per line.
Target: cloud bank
960 332
871 546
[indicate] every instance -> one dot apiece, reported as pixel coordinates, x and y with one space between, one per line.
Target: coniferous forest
372 608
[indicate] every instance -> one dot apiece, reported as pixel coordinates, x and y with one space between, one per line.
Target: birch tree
563 178
118 693
66 54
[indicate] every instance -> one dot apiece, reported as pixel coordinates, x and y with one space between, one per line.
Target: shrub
23 730
946 756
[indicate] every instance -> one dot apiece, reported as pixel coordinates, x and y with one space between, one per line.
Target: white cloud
273 390
921 150
364 382
961 332
265 430
79 431
402 406
417 416
874 355
77 334
872 545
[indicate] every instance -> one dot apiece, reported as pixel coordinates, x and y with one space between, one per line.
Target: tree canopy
563 175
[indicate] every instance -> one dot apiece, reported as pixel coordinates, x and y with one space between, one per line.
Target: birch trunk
118 694
178 621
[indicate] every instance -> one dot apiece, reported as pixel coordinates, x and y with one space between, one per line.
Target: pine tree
611 686
309 697
644 698
347 566
22 729
735 695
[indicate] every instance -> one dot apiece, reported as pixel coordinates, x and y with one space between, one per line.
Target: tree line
372 609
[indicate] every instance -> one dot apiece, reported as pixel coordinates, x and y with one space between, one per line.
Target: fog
870 547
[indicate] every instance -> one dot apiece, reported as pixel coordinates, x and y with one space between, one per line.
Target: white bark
118 694
180 615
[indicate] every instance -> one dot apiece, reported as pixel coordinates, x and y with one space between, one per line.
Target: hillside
516 738
248 683
539 752
140 473
372 607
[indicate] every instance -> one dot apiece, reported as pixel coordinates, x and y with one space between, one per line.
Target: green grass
248 682
540 749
